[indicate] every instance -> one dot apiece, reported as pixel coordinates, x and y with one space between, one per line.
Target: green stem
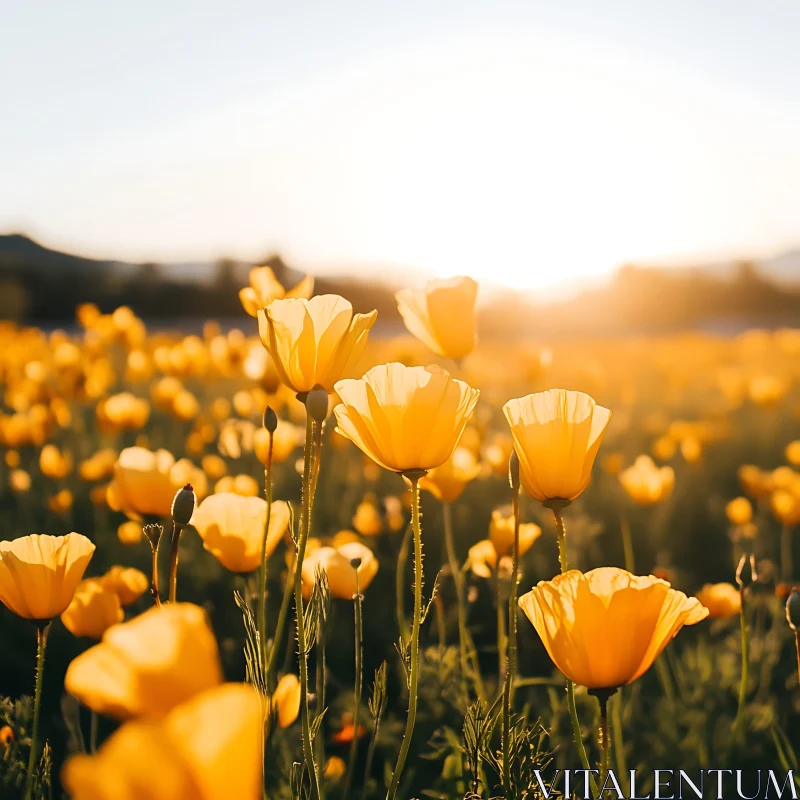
627 543
604 739
399 584
797 650
501 634
745 663
262 583
154 575
787 567
302 649
619 745
511 665
466 650
359 648
177 530
415 626
321 680
370 756
94 720
288 589
33 757
573 710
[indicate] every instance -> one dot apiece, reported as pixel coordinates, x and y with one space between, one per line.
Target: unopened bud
793 610
355 563
317 404
270 419
746 574
183 505
513 470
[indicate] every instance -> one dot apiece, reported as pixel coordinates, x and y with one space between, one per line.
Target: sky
524 143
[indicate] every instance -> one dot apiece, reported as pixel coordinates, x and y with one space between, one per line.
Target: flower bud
746 573
355 563
183 505
793 610
270 419
317 404
513 470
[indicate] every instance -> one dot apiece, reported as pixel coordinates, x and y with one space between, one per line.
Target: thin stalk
154 575
511 665
177 530
745 663
321 676
797 650
619 745
33 757
370 756
399 584
305 524
262 583
573 710
465 649
787 567
501 635
359 649
627 543
604 738
288 589
415 626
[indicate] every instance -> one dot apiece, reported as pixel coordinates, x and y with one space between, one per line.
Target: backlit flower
146 667
285 700
449 480
316 341
442 315
142 484
128 583
645 483
39 573
337 562
265 287
232 528
501 532
739 511
556 435
721 599
94 609
605 628
405 418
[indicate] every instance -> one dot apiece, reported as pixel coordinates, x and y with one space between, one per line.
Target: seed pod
317 404
793 610
513 470
270 419
183 505
746 574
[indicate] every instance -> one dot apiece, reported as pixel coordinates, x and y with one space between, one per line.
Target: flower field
305 559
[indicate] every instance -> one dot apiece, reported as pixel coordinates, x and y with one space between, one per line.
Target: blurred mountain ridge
43 285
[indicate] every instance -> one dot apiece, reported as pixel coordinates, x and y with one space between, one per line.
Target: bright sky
522 143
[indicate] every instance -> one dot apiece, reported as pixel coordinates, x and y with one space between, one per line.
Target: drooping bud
513 471
355 563
746 574
317 404
793 610
183 505
270 419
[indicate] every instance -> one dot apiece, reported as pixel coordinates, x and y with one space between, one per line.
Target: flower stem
262 583
358 599
745 663
573 711
511 664
627 543
415 626
466 650
94 721
370 756
502 642
399 582
177 530
797 650
305 524
619 745
288 590
33 757
154 575
604 738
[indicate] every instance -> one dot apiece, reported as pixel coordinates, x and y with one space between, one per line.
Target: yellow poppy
501 532
405 418
442 315
286 700
739 511
142 484
39 573
232 528
206 749
645 483
337 562
265 287
146 667
93 610
314 341
448 481
556 435
605 628
721 599
128 583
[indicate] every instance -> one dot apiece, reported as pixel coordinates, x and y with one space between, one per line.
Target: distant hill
44 285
